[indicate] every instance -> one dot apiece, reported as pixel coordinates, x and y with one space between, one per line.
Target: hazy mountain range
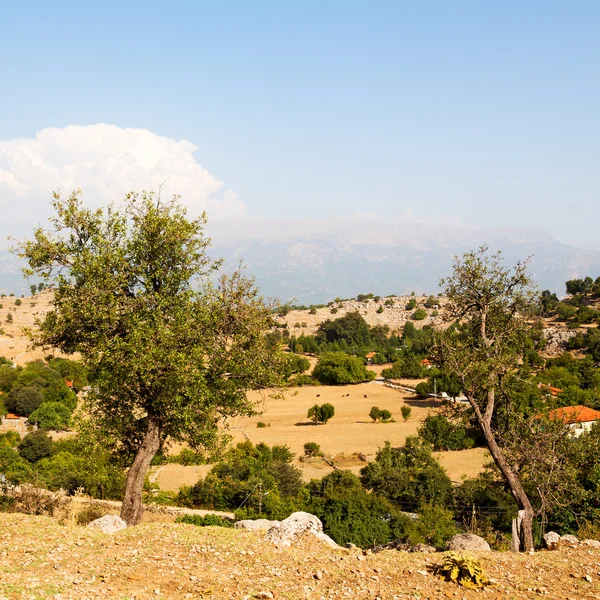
316 260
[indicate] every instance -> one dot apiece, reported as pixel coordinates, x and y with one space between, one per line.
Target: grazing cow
318 395
365 396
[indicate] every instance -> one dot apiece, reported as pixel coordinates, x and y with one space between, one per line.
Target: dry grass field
349 433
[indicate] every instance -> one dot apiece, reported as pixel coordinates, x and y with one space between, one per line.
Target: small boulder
551 540
255 524
568 541
467 541
108 524
285 532
591 543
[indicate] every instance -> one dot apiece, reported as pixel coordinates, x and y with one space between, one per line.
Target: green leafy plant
205 521
464 570
405 410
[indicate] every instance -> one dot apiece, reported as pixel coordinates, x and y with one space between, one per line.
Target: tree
51 415
490 300
419 314
375 413
171 353
312 449
23 400
35 446
406 412
339 368
321 414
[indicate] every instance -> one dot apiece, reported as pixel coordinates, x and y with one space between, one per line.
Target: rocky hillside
41 559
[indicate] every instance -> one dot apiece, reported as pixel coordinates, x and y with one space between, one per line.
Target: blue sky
485 112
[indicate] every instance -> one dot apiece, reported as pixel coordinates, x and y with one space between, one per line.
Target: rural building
369 356
15 423
578 418
549 390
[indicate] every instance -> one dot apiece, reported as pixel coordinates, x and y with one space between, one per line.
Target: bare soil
41 559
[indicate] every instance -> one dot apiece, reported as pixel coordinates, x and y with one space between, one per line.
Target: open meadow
350 438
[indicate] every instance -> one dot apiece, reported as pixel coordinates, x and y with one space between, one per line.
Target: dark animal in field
318 395
365 396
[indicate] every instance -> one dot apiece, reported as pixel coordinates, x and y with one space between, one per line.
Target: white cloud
106 161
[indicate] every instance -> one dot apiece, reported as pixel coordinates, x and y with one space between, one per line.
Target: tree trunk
516 489
132 507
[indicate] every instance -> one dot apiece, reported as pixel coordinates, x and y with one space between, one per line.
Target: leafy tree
15 469
351 328
51 415
411 304
147 340
321 414
23 400
33 289
406 412
294 364
375 413
419 314
338 368
491 300
408 476
35 446
18 302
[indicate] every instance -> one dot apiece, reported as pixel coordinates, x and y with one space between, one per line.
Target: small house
578 418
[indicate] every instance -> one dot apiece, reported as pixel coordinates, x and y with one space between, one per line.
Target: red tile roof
11 416
575 414
554 391
370 354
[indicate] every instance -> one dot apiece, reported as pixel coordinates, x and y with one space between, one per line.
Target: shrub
9 318
312 311
406 411
90 512
18 302
442 434
375 413
261 425
188 457
419 314
435 526
385 415
205 521
412 304
333 311
35 446
379 310
302 379
312 449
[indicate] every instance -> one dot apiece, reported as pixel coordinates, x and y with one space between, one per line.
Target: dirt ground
40 559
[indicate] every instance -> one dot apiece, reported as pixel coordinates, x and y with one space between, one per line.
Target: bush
419 314
18 302
442 434
375 413
412 304
188 457
89 513
435 526
312 449
464 570
379 310
378 414
301 380
321 414
35 446
205 521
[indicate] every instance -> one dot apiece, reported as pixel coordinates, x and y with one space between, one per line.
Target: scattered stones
285 532
587 578
467 541
264 595
108 524
568 541
591 543
255 524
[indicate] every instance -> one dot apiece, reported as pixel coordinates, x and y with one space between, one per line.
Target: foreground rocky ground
41 559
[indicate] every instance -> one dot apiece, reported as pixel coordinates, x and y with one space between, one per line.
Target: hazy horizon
477 116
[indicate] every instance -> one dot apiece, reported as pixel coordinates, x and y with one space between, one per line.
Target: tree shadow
306 424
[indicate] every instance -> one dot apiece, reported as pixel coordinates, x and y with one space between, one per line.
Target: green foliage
188 457
408 476
294 364
243 476
406 412
375 413
464 570
321 414
351 328
15 469
312 449
18 302
158 313
412 304
338 368
378 414
261 425
419 314
435 526
351 515
443 434
35 446
70 370
205 521
23 400
9 318
300 380
9 439
379 310
51 415
409 367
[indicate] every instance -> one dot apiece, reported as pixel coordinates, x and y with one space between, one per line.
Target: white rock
569 540
108 524
285 532
467 541
551 540
591 543
255 524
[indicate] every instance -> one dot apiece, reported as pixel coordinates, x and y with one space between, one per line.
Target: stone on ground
255 524
298 523
108 524
467 541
